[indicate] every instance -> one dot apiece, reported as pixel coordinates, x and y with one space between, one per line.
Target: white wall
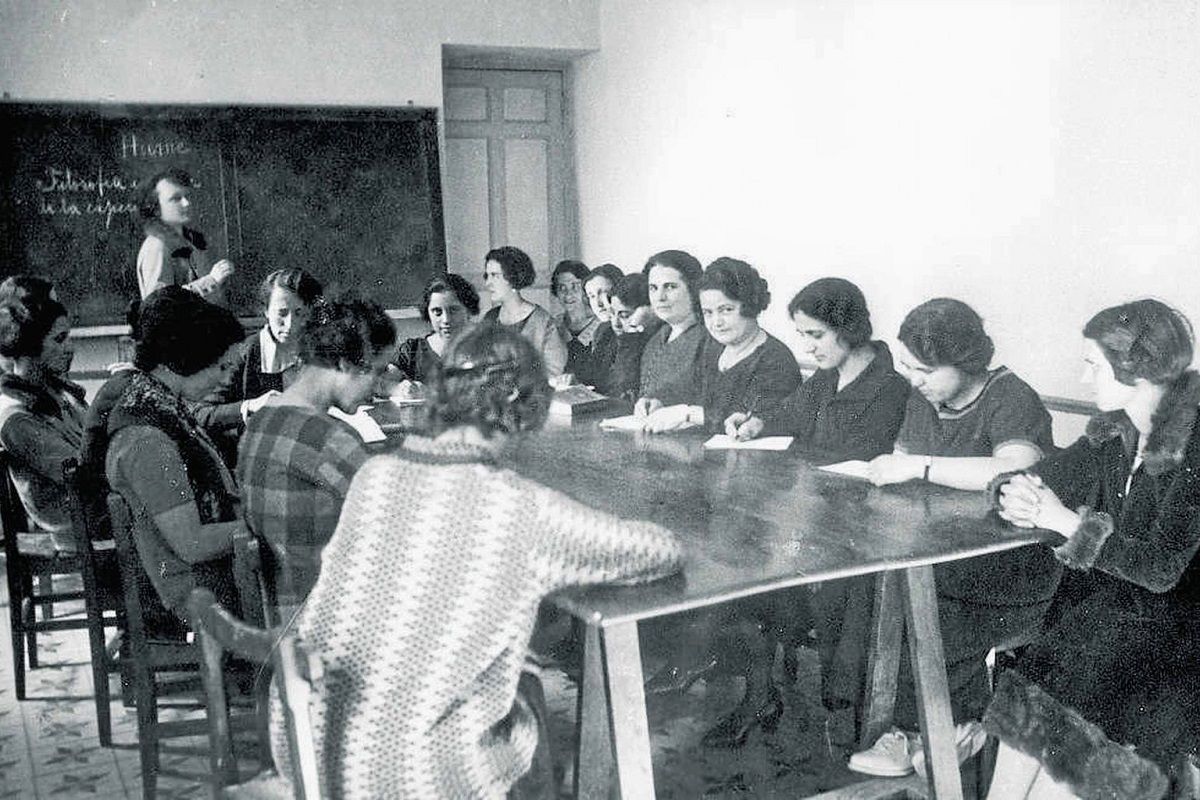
1037 159
347 52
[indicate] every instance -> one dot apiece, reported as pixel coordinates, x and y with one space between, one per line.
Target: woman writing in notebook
851 408
1117 669
964 425
449 304
748 370
296 461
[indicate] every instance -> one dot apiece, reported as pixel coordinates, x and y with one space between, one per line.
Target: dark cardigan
1119 666
859 421
756 384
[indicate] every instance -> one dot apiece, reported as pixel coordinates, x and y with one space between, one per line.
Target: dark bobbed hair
631 291
182 332
839 304
490 379
24 324
515 264
22 286
453 284
148 194
1143 339
945 332
610 271
347 329
295 280
685 264
738 281
576 268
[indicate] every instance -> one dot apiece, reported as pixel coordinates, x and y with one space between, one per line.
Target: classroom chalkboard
352 195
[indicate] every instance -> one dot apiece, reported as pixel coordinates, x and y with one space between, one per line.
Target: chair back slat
128 562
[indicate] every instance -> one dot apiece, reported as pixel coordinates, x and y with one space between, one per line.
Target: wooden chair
104 606
221 634
149 657
32 561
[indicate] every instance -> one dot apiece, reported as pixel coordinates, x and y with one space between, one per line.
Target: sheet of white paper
723 442
626 423
855 469
363 424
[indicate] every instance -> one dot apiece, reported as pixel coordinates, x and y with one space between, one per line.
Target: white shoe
889 757
969 739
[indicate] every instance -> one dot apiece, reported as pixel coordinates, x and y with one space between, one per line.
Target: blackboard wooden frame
394 281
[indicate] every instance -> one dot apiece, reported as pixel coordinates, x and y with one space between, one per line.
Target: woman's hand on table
895 468
670 418
742 426
645 406
407 390
1028 503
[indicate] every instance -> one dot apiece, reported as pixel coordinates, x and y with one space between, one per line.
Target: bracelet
928 464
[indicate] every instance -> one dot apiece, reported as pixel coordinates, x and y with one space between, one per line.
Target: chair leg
18 655
46 586
147 716
28 621
100 681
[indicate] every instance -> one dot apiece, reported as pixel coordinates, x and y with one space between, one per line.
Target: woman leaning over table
442 530
1105 701
506 271
296 461
449 304
963 425
579 323
159 459
748 370
851 408
593 365
633 324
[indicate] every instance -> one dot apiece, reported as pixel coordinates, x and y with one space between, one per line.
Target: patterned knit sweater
423 611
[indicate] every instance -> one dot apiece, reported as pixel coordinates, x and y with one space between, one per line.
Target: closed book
575 400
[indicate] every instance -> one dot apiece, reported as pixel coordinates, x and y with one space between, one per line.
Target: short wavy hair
295 280
516 265
738 281
492 380
456 285
945 332
840 305
148 207
25 323
1145 339
611 272
631 290
347 329
568 266
24 285
683 262
181 331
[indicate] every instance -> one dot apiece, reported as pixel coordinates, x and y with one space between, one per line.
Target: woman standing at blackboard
506 271
173 254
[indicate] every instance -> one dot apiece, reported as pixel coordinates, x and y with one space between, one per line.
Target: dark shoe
674 678
734 730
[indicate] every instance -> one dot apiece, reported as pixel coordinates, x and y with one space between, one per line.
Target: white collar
271 361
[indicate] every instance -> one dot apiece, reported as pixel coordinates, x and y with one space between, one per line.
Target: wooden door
508 178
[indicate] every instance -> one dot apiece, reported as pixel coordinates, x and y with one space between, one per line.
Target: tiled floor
49 749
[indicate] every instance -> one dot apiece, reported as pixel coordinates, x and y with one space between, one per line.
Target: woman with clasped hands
1106 696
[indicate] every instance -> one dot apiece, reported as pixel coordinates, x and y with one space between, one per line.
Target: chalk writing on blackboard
132 147
67 193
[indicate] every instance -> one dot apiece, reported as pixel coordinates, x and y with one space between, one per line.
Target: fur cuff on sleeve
1081 549
1072 750
993 487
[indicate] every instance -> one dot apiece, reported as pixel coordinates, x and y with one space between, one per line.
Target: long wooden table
753 522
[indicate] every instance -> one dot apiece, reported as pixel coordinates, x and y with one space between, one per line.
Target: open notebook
855 469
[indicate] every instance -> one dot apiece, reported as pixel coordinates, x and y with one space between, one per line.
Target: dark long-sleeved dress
1118 666
756 384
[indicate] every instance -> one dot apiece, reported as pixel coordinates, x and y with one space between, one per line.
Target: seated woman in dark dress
267 359
746 370
1105 701
963 426
593 364
578 322
449 305
160 460
851 408
633 323
670 366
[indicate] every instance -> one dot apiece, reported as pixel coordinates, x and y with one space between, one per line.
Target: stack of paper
855 469
724 442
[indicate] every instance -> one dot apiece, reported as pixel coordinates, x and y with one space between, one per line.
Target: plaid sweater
294 467
423 611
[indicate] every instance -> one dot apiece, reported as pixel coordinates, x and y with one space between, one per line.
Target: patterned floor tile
80 782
